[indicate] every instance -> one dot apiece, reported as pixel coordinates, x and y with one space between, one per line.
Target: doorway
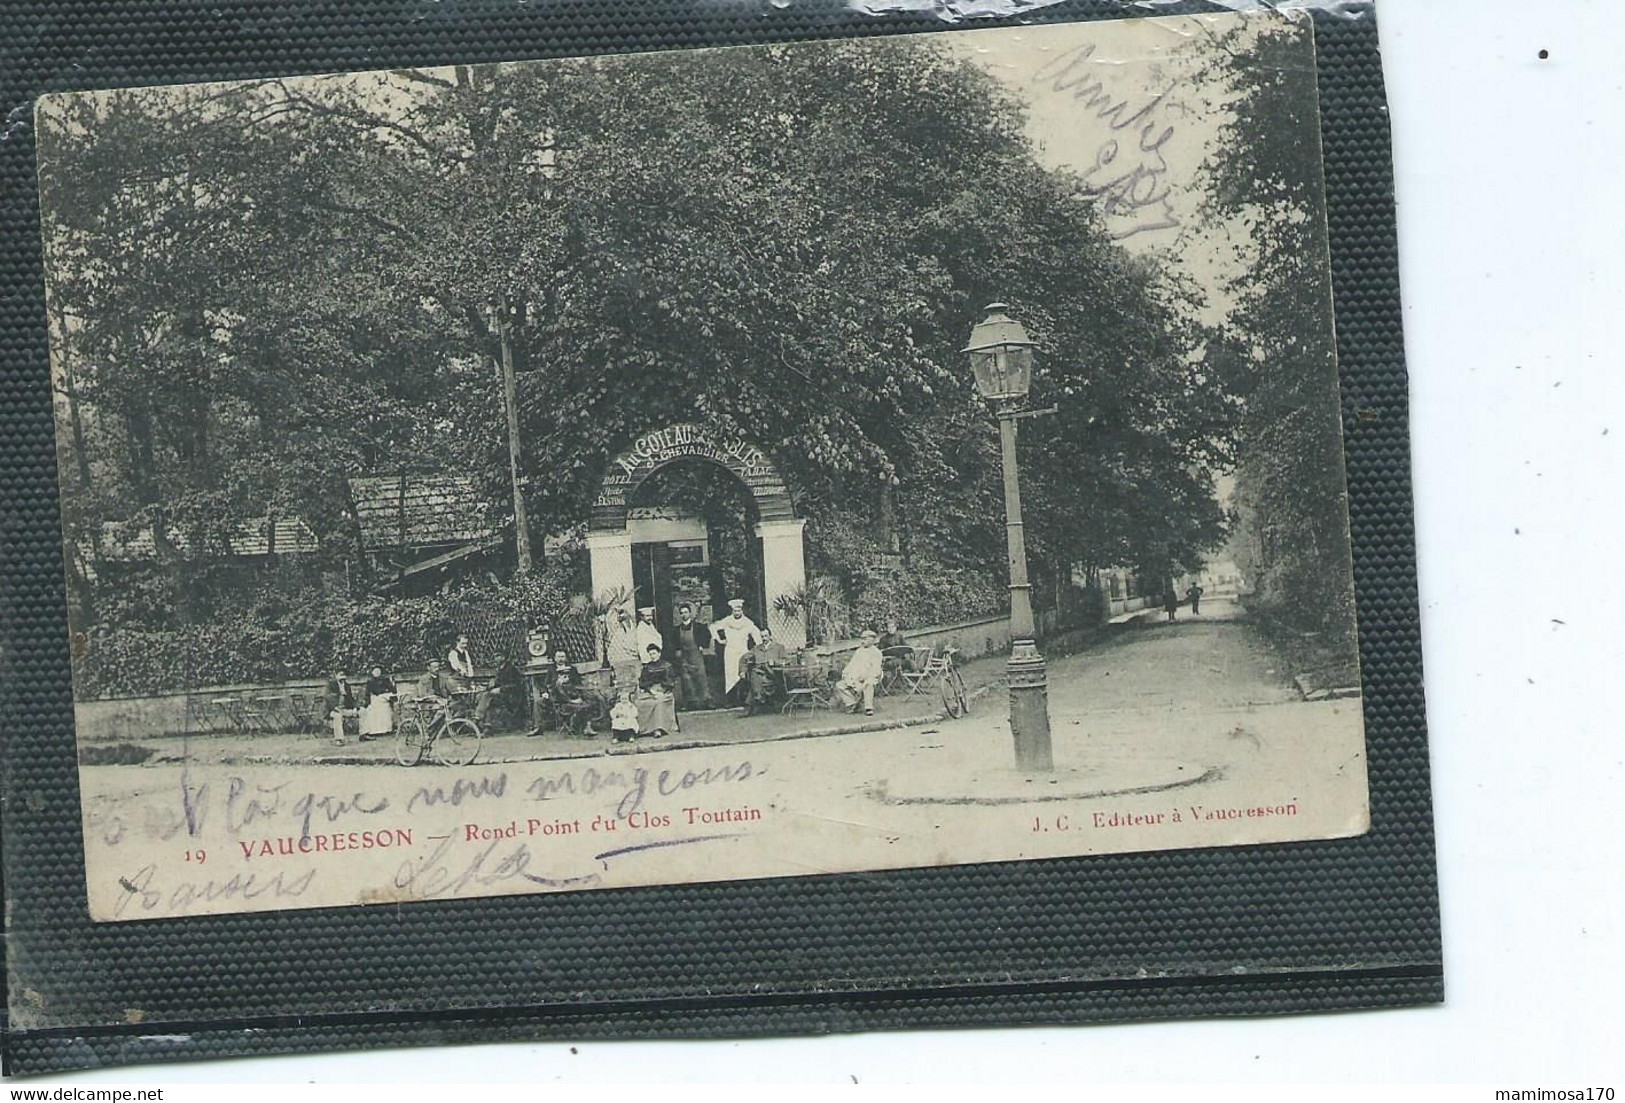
752 542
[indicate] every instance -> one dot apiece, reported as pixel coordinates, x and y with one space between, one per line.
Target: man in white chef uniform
648 632
736 634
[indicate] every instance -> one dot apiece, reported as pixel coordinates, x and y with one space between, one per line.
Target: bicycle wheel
960 692
458 742
951 701
410 737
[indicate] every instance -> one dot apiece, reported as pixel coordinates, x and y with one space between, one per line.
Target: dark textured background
1341 924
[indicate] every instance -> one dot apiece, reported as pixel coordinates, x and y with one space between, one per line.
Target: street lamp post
1001 356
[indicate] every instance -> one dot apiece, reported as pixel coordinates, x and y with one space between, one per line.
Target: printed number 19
197 856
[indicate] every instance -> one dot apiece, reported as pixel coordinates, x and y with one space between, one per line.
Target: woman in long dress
378 718
657 707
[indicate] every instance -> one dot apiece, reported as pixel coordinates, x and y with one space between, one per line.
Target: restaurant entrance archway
616 526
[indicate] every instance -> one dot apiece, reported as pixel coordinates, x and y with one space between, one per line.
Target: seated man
765 666
433 682
430 693
898 653
569 701
893 637
862 675
509 690
657 707
340 702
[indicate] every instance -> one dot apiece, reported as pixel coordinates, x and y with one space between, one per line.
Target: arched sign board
655 450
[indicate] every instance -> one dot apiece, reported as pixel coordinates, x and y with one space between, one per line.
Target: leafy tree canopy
263 288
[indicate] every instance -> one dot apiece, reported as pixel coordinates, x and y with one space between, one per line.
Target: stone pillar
784 569
610 563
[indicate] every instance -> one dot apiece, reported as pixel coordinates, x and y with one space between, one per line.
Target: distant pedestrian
1170 601
1195 596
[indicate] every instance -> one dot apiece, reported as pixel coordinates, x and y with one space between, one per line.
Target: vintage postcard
759 462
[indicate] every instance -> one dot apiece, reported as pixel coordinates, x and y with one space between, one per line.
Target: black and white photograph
702 465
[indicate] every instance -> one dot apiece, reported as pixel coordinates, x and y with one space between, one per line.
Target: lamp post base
1029 707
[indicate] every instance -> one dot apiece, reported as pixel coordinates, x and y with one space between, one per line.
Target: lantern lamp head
1001 356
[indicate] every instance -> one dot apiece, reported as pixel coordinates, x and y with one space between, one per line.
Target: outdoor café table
894 661
229 710
576 715
778 680
273 711
465 701
806 685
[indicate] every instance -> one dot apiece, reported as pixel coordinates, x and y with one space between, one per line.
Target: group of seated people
452 684
374 711
876 657
562 697
648 708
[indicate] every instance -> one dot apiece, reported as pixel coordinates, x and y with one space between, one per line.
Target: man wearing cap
647 633
690 642
738 634
433 682
432 688
568 698
862 675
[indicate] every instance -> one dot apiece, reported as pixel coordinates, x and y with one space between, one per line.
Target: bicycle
955 698
427 727
944 672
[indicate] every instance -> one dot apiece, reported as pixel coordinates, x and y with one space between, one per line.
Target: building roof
129 542
124 542
416 511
